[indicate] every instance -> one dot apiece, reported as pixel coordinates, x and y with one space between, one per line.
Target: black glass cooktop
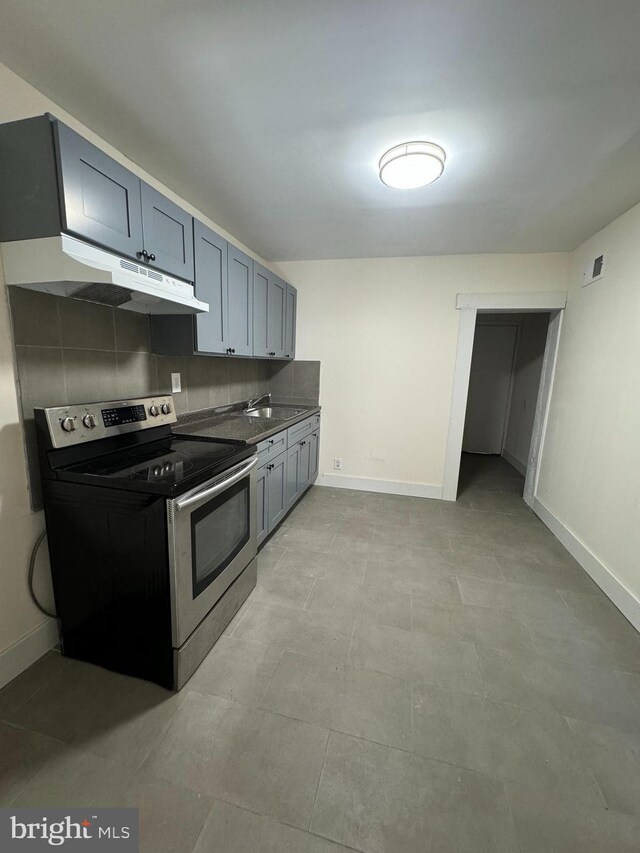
169 466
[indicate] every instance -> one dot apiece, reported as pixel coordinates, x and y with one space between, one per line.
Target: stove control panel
69 425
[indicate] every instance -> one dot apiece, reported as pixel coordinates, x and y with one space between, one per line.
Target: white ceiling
270 115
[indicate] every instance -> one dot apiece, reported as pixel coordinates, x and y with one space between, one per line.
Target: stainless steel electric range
152 537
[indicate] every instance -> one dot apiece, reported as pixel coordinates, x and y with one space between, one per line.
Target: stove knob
166 408
89 421
68 424
154 411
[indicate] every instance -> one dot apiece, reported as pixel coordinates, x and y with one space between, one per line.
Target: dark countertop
236 428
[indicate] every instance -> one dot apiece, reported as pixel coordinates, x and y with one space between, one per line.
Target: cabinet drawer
316 422
299 431
271 447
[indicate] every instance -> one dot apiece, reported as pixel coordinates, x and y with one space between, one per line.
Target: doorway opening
506 427
504 380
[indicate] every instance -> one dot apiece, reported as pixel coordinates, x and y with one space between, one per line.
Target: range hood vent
65 266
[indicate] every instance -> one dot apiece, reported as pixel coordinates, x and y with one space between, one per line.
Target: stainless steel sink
283 413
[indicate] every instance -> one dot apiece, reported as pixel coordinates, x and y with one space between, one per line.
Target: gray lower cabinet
277 496
293 475
271 482
298 470
288 465
314 454
262 502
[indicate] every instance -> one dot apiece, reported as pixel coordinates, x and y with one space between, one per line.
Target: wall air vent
594 272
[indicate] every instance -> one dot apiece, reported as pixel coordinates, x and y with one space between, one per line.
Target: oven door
212 538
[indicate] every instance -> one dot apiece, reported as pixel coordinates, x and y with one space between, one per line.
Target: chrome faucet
253 401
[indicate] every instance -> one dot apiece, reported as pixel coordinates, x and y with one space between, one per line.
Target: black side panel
29 205
111 578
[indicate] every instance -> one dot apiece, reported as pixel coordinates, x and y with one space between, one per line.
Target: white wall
24 632
385 331
525 385
590 472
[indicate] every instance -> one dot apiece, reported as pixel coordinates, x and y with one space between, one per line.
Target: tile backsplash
72 352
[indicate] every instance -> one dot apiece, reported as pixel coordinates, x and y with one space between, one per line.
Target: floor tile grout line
309 594
315 796
351 639
267 817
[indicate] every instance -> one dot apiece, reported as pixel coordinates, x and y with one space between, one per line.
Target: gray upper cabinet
260 310
167 234
269 304
211 285
100 199
290 322
276 308
240 283
54 181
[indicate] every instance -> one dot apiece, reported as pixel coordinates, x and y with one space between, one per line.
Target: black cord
32 567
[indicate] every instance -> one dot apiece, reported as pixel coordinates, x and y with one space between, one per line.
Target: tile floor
407 676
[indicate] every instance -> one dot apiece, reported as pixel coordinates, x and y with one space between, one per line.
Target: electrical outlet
176 384
337 464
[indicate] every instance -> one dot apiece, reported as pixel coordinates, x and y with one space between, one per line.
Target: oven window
219 531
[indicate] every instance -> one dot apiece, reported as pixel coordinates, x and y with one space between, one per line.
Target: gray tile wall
71 352
296 382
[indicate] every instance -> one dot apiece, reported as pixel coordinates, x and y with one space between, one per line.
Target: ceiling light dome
411 165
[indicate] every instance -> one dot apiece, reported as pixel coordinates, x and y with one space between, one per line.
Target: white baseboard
624 599
387 487
516 463
27 650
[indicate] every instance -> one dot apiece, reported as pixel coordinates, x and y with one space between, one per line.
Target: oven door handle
212 491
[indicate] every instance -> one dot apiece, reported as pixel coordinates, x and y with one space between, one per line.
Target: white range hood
65 266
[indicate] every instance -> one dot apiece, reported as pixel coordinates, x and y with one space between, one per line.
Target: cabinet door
290 322
260 310
168 234
262 479
100 199
276 311
211 286
277 490
304 472
240 277
292 474
314 452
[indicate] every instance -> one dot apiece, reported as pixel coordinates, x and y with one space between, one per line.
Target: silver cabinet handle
220 486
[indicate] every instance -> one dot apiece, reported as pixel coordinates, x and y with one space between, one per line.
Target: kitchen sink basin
283 413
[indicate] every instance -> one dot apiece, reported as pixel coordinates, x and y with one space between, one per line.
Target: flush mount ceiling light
411 165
